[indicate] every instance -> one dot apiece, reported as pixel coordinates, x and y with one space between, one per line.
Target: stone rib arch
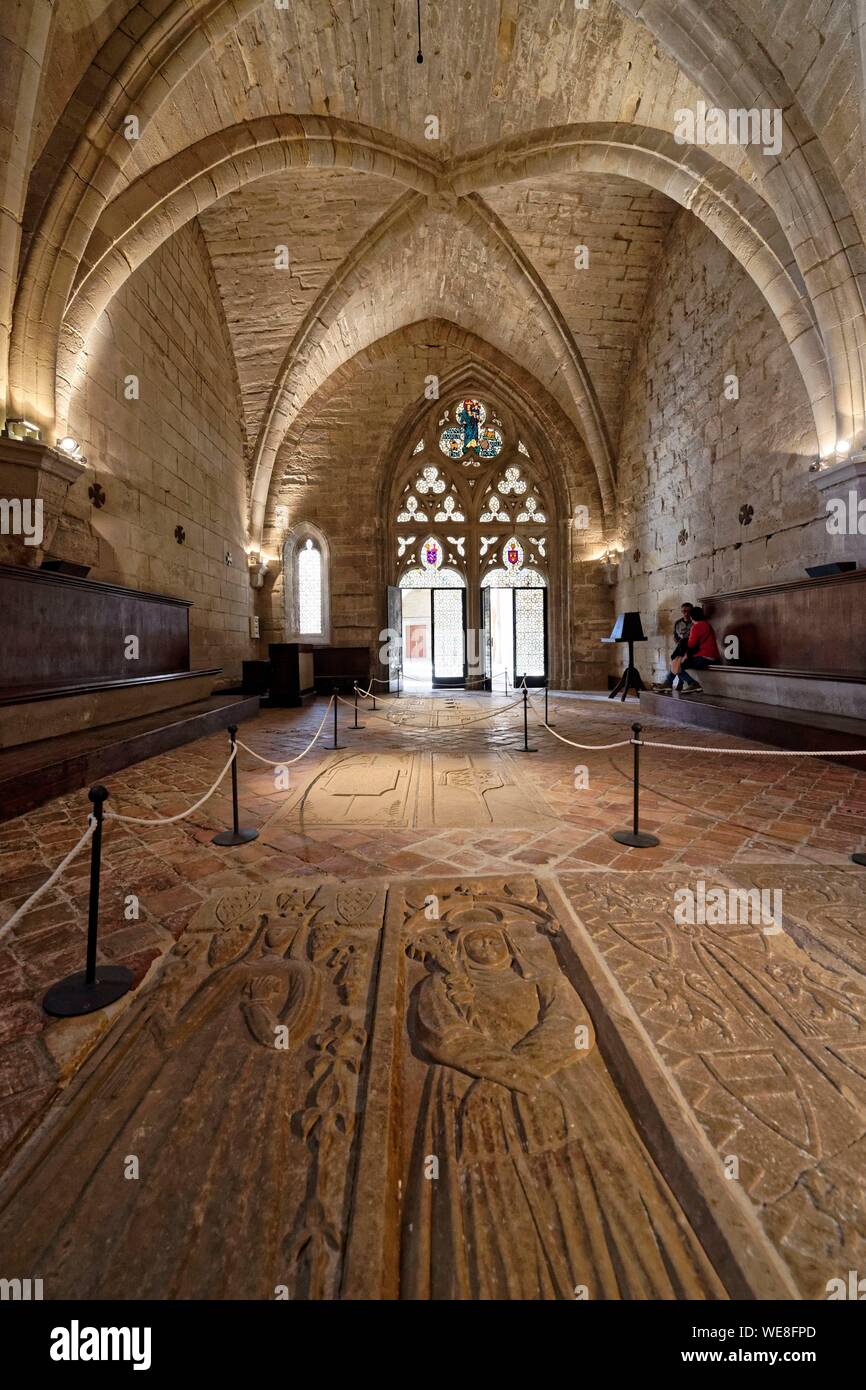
148 72
308 351
736 214
724 59
153 209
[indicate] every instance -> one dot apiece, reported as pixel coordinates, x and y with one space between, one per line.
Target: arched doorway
514 623
433 620
471 534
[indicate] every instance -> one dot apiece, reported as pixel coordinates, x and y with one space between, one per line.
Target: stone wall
691 459
171 458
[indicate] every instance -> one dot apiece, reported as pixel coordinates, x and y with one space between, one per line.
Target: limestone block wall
173 457
714 493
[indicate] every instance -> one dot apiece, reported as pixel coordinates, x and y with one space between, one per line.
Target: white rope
587 747
49 882
427 729
287 762
181 815
756 752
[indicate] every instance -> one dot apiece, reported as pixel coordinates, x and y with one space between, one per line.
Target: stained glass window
431 554
309 589
470 437
512 554
418 447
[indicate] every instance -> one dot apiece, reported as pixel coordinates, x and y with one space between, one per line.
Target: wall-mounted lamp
610 565
838 454
23 429
258 567
71 447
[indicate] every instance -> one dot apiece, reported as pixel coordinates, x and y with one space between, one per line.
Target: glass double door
432 624
514 635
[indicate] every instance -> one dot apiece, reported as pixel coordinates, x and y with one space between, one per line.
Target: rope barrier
445 729
50 881
181 815
761 752
287 762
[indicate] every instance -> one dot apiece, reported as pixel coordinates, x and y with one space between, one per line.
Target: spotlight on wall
258 567
839 452
23 429
71 447
610 565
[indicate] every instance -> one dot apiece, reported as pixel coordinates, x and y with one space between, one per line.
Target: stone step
803 730
36 772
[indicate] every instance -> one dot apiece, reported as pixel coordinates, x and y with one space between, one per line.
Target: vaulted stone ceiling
555 130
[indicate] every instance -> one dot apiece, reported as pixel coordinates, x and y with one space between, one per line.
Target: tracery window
306 580
491 519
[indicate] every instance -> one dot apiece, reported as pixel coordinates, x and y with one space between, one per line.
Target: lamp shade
627 628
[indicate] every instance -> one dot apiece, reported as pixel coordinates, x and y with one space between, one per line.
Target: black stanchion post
336 692
97 985
373 693
526 748
859 859
356 725
636 838
235 836
546 715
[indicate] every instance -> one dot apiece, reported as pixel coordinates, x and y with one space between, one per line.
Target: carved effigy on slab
524 1176
205 1151
768 1046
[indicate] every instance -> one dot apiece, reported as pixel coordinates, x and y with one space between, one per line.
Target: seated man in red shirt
703 650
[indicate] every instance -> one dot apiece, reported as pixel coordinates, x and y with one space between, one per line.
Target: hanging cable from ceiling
420 57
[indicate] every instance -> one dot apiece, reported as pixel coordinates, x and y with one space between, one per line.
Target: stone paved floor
750 817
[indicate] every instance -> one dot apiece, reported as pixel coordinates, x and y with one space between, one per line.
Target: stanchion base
335 746
74 996
859 859
354 729
641 840
235 837
526 750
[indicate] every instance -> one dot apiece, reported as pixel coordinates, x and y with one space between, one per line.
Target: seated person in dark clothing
701 651
682 627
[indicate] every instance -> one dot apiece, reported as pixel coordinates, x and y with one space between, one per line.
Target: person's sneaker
693 690
659 687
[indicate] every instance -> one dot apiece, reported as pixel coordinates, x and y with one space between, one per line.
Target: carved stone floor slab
471 1088
766 1040
476 791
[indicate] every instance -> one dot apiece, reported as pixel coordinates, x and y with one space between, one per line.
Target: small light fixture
71 447
258 565
610 565
23 429
843 446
